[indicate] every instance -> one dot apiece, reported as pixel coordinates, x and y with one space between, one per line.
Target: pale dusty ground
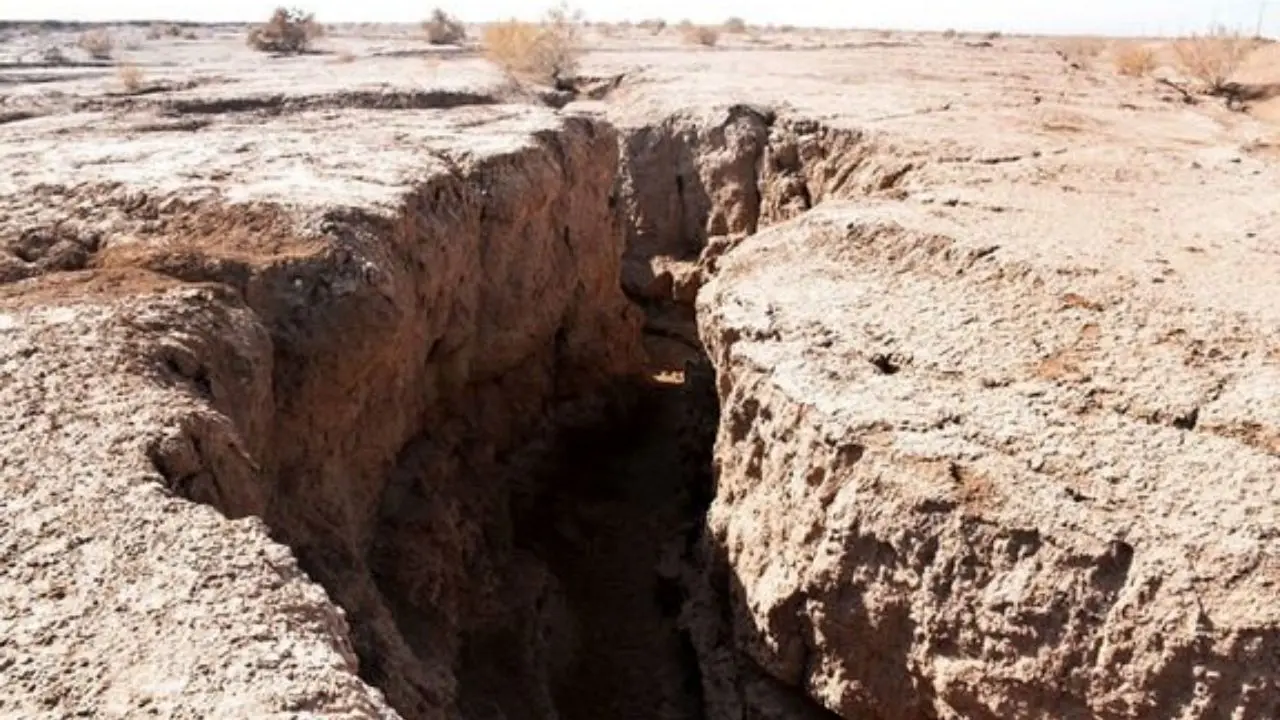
1159 217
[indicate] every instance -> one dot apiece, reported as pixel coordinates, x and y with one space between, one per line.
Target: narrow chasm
617 505
493 444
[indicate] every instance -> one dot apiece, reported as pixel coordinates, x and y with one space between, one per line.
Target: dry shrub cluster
654 25
131 76
545 52
444 29
1213 58
700 35
54 56
98 43
1133 59
735 26
288 31
159 31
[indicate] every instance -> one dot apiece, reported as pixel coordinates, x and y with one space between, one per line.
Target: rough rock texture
696 178
955 486
368 380
998 439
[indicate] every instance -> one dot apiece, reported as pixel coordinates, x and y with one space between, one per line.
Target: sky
1119 17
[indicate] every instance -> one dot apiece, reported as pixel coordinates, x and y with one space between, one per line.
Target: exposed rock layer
951 486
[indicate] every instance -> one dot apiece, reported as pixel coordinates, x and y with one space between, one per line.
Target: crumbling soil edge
339 318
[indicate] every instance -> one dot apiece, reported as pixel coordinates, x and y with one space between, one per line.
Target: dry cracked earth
862 376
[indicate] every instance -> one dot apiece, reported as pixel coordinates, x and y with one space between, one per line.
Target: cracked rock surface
944 479
293 355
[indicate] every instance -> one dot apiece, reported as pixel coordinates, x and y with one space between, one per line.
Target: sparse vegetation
546 52
54 55
289 31
654 25
949 34
444 29
1080 51
131 76
701 35
1133 59
98 43
159 31
735 26
1213 58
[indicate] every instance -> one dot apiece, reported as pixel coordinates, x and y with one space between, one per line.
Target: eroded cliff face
705 180
379 390
951 480
917 514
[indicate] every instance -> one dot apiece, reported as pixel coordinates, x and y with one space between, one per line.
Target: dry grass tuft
546 52
1133 59
1080 52
131 76
949 34
735 26
289 31
701 35
1214 58
98 43
444 29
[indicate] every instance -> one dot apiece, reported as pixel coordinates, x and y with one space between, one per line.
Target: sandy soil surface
201 213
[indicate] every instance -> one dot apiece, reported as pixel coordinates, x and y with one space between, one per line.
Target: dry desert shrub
131 76
701 35
949 34
1213 58
654 25
1133 59
98 43
289 31
546 52
159 31
444 29
735 26
54 56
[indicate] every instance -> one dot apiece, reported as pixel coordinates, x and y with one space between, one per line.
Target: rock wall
375 384
918 514
699 181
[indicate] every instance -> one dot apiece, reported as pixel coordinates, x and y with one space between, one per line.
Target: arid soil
858 375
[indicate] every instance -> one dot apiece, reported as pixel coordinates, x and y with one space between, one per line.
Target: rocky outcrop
954 485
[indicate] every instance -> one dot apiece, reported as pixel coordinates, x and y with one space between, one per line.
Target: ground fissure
490 411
